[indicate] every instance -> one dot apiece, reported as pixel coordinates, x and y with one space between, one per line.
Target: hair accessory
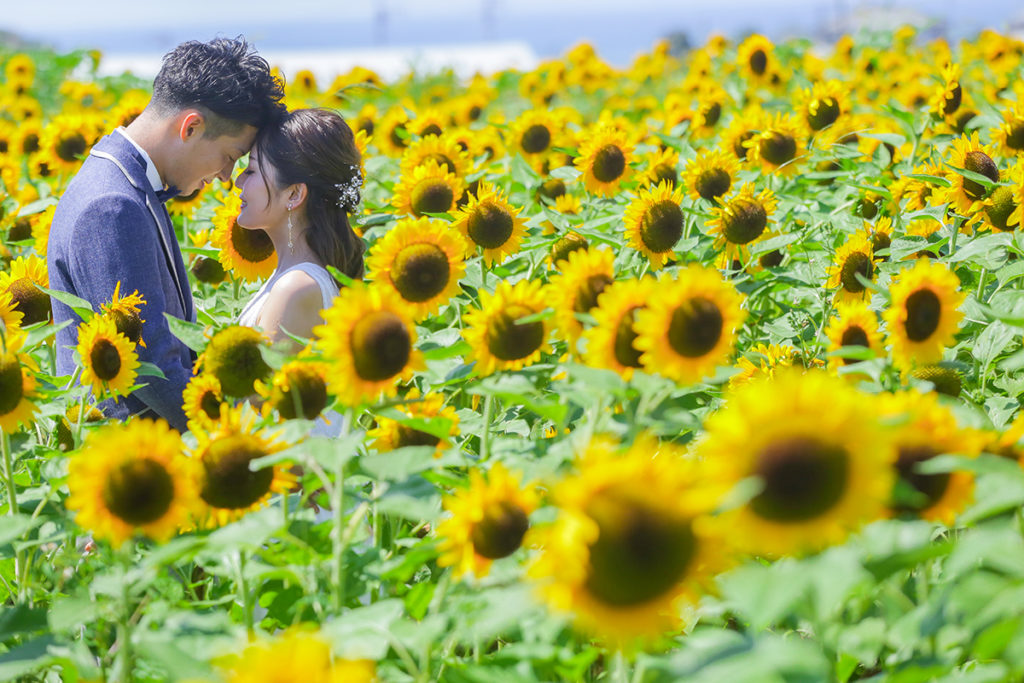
348 192
291 244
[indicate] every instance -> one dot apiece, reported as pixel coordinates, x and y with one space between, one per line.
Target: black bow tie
168 193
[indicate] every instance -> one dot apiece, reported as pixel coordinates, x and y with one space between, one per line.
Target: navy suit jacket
109 227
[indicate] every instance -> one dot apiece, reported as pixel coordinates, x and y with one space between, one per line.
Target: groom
209 101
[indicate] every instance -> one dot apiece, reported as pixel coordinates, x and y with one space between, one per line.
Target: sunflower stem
485 435
620 671
12 505
243 595
338 569
981 284
125 656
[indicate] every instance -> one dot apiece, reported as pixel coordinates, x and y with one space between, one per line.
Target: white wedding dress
335 422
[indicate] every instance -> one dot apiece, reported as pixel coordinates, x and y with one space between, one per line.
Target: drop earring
291 244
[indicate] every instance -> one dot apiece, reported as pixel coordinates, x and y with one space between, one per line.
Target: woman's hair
316 147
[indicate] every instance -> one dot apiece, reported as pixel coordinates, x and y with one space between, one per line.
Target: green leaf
933 179
398 464
150 370
971 175
21 619
81 307
26 658
191 334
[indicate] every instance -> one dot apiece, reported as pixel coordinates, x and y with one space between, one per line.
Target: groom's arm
114 241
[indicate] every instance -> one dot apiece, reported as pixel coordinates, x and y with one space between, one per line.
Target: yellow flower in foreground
109 361
17 383
249 254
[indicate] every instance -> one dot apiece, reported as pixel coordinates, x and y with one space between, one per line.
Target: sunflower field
708 369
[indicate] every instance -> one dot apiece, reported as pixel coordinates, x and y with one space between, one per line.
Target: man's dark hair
224 78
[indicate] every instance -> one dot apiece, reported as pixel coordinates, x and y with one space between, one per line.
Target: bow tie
169 193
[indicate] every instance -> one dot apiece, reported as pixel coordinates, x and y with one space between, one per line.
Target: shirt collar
152 175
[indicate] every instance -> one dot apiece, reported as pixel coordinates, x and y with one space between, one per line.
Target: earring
291 244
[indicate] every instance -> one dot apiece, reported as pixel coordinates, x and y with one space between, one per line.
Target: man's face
203 158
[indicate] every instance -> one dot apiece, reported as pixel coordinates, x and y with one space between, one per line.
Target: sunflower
968 153
822 105
297 390
488 521
26 275
949 94
740 131
234 356
741 220
654 222
65 140
129 106
391 434
248 254
854 324
633 544
488 221
228 487
823 473
443 149
924 429
533 134
604 160
20 72
565 245
422 260
17 382
297 654
428 122
662 167
10 316
124 311
131 478
185 205
391 134
498 339
710 174
854 257
586 273
1009 135
922 316
610 342
764 360
779 146
202 401
40 225
919 192
690 327
368 338
109 361
1002 208
430 188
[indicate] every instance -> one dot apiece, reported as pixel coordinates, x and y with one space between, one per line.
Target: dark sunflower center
474 112
778 148
712 113
430 129
11 387
510 340
879 241
208 270
441 160
609 163
866 208
1015 135
253 246
640 553
128 323
105 360
552 188
586 295
744 221
802 477
738 147
953 100
490 225
535 139
561 249
963 117
758 61
665 173
32 302
856 262
233 357
931 487
853 336
433 195
712 183
138 492
420 272
1001 207
21 230
30 143
946 380
979 162
210 405
70 146
696 327
381 346
625 352
407 436
825 114
501 531
923 313
662 226
228 482
305 396
771 259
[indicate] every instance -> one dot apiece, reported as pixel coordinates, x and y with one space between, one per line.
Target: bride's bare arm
293 304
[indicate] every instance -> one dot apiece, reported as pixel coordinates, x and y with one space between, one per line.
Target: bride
302 181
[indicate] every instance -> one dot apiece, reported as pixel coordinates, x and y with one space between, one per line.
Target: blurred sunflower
604 160
764 360
533 134
297 654
109 361
131 478
741 220
17 381
248 254
922 317
578 285
185 205
1009 134
634 543
710 174
948 95
919 189
498 339
443 149
488 521
40 225
124 311
228 487
202 401
610 342
422 259
740 131
755 58
662 167
391 434
22 281
779 146
297 390
854 324
565 245
233 355
489 222
428 122
430 188
368 338
1002 208
65 140
969 154
391 134
10 316
654 222
822 105
854 257
129 105
20 72
824 473
690 328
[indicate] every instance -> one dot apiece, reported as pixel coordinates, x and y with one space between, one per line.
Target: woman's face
263 205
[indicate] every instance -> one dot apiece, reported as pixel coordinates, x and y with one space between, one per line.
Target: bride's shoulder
294 285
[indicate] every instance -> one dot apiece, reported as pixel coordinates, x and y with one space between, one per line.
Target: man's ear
191 125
